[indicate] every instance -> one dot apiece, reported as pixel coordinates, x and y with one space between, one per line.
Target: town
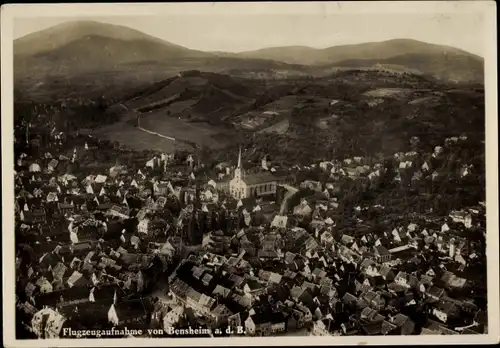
108 237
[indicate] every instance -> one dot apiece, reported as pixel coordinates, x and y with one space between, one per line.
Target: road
290 192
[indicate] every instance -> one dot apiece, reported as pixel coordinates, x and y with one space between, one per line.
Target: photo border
488 8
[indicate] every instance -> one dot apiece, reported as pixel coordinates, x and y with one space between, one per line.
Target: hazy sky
235 33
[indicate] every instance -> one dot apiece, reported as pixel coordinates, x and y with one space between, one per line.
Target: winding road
290 192
136 114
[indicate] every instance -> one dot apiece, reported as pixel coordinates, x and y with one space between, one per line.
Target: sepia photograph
252 173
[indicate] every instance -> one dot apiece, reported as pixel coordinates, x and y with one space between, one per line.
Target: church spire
239 159
237 171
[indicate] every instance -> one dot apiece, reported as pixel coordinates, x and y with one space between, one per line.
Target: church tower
237 171
237 186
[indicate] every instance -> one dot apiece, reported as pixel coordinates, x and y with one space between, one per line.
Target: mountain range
82 47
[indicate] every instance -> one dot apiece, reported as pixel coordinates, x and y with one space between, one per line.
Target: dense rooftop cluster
356 246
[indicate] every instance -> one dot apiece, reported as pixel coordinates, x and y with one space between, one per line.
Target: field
388 92
280 127
133 138
424 100
199 132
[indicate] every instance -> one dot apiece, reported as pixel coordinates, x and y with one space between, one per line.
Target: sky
244 32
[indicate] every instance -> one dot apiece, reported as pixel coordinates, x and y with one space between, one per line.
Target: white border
487 8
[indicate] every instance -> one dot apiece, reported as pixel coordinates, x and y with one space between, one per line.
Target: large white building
252 185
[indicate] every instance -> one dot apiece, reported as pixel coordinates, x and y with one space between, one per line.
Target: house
59 270
318 274
350 299
35 168
199 302
303 209
369 268
66 208
405 326
452 281
462 217
221 291
220 314
47 323
163 188
302 314
270 276
39 216
119 211
405 280
434 328
44 285
148 226
53 164
254 288
435 293
322 327
374 300
234 320
77 279
222 183
135 312
252 185
381 253
380 327
173 317
444 310
369 315
386 273
265 324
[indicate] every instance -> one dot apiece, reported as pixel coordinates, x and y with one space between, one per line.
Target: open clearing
201 133
388 92
280 127
133 138
431 99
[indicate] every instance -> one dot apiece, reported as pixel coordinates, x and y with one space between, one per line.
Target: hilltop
89 59
87 46
78 55
405 53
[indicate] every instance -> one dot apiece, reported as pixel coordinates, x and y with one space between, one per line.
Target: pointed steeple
239 159
237 171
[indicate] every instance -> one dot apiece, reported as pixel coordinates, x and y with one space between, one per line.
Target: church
254 184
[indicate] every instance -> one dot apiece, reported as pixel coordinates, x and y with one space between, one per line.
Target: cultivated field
280 127
388 92
199 132
134 138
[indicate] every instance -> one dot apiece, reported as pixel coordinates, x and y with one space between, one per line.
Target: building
39 216
462 217
321 328
53 164
382 254
47 323
252 185
133 312
265 324
148 226
65 208
118 211
444 310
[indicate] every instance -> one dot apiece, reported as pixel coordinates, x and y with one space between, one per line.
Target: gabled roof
266 317
259 178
